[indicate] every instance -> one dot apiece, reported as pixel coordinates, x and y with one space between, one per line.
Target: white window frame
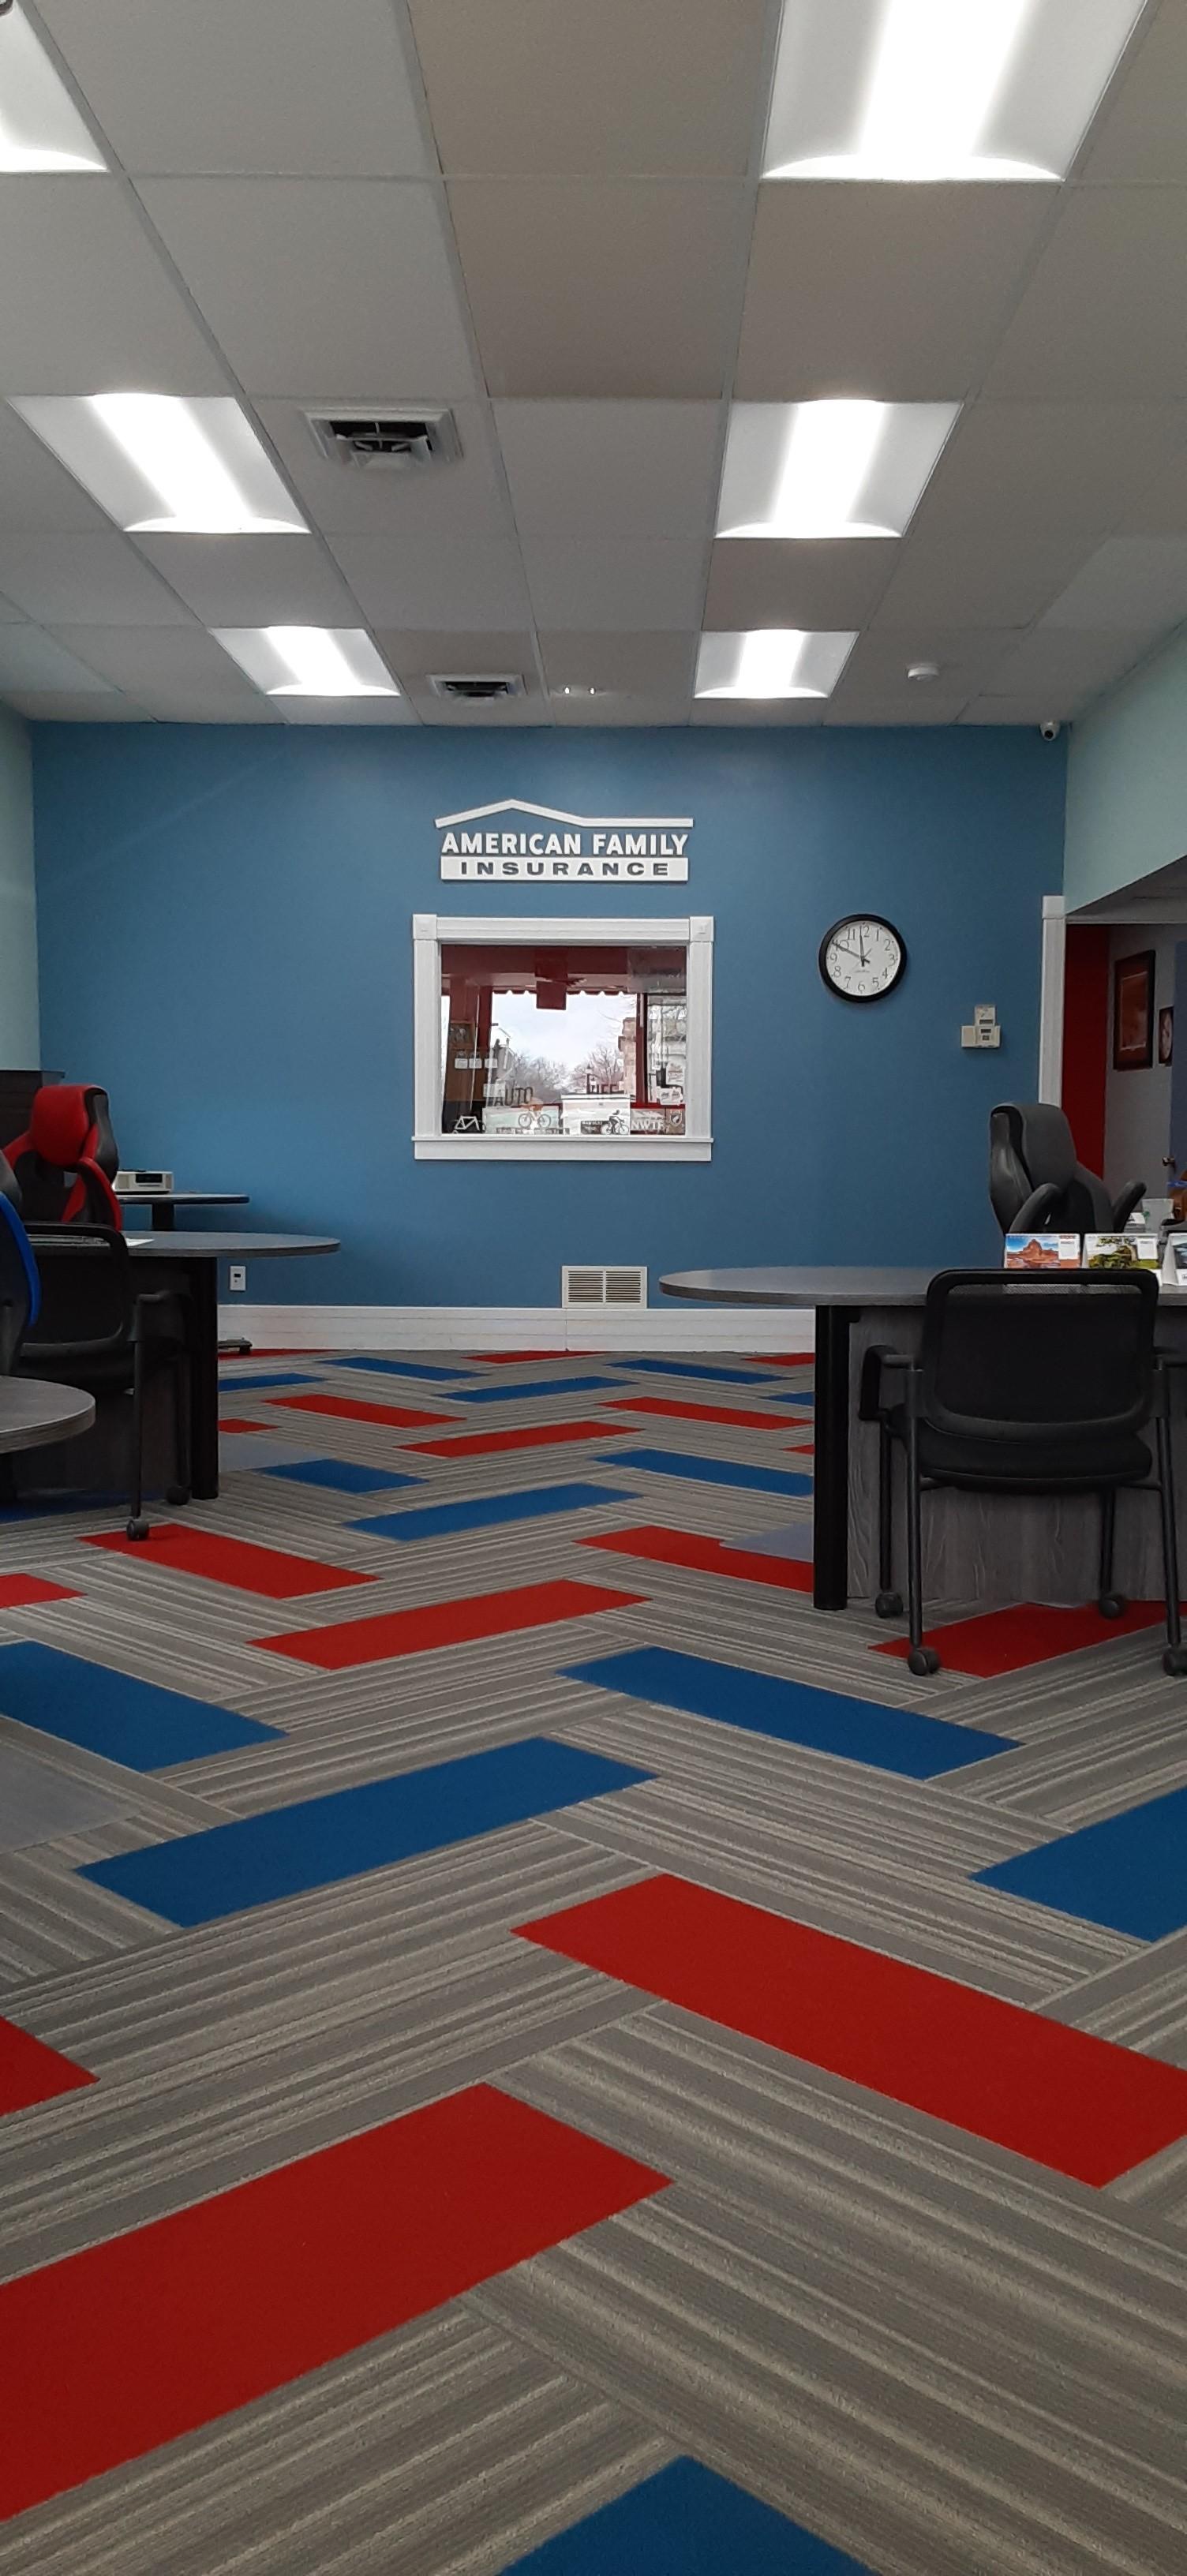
692 932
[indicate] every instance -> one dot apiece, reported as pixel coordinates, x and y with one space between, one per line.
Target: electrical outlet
238 1276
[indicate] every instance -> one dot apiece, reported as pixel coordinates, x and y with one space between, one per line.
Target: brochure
1042 1252
1121 1252
1175 1268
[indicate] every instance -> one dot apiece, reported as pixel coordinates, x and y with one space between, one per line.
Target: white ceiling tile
965 657
10 614
347 711
71 706
86 304
84 581
1072 668
645 664
898 710
464 498
1047 466
621 582
430 582
31 660
898 293
245 85
611 469
319 281
1158 508
982 581
828 583
560 86
751 712
251 581
1139 583
165 667
1100 318
1024 711
35 491
413 654
602 287
1142 133
613 709
497 714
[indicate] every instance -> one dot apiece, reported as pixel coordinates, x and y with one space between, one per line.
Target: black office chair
1035 1180
97 1332
1035 1383
20 1287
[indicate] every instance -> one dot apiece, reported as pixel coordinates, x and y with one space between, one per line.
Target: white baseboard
677 1327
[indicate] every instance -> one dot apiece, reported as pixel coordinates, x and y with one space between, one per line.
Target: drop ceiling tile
414 654
911 711
620 583
615 710
899 293
318 281
86 304
498 715
642 664
245 85
1072 668
35 491
611 469
772 581
966 660
72 706
1026 712
558 86
346 711
1142 133
602 287
1047 466
31 660
462 498
167 669
1100 319
1134 583
10 614
84 581
190 704
431 582
1158 508
251 581
747 713
980 581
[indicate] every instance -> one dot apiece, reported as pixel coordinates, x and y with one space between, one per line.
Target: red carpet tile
345 1408
1006 1641
802 1448
135 2342
542 1435
508 1359
31 2072
236 1422
444 1623
696 1412
1061 2097
269 1351
706 1555
20 1591
784 1359
233 1561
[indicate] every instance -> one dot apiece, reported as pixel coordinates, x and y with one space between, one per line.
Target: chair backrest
67 1158
1031 1146
1007 1354
86 1293
20 1287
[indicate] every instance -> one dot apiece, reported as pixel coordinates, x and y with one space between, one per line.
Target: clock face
862 957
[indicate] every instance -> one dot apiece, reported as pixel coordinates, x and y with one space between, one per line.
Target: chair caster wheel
177 1495
138 1529
1112 1605
889 1605
1174 1661
923 1659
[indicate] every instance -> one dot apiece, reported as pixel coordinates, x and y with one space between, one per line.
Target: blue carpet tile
697 1368
229 1385
538 1386
710 1471
856 1730
342 1475
486 1511
399 1368
133 1722
687 2522
1128 1873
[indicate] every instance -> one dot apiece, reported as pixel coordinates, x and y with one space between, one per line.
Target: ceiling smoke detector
476 687
388 441
923 670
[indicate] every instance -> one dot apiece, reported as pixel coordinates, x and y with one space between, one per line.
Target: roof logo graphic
581 822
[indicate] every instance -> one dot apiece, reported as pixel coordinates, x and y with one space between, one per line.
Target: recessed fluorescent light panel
308 661
40 126
940 89
828 469
773 662
161 465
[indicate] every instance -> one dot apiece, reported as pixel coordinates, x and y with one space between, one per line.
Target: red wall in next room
1085 1038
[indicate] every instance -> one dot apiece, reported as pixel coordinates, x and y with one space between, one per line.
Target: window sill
562 1149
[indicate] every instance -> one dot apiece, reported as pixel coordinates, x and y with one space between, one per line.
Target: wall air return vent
597 1287
476 688
382 441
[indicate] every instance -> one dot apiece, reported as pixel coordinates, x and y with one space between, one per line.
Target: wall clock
862 957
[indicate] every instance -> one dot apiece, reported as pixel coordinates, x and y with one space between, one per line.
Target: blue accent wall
225 938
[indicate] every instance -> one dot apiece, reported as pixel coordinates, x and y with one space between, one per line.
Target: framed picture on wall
1133 1011
1166 1037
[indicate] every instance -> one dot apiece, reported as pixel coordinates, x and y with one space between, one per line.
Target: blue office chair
20 1286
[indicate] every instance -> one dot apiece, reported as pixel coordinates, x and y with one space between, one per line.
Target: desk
164 1202
190 1261
34 1412
975 1547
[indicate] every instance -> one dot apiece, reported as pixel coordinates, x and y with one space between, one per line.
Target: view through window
583 1040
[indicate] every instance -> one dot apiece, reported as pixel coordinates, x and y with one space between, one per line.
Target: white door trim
1050 1081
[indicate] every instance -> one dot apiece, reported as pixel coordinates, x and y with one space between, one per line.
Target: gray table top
212 1246
856 1286
182 1198
33 1411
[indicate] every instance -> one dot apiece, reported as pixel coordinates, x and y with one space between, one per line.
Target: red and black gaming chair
65 1162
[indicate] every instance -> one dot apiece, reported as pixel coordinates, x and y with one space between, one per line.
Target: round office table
189 1261
34 1412
163 1203
977 1548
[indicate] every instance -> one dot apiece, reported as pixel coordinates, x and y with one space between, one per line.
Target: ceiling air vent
476 687
603 1287
386 441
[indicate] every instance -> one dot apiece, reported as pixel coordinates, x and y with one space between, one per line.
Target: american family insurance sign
508 840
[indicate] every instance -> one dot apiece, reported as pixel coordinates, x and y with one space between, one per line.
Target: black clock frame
861 1000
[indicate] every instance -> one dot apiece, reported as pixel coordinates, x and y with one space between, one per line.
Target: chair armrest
1034 1209
875 1362
1131 1197
146 1297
